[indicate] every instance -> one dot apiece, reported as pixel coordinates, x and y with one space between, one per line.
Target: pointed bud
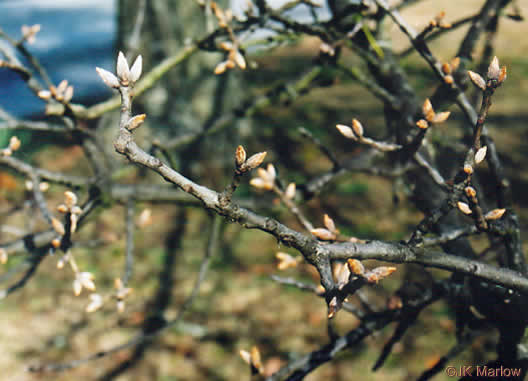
76 210
481 154
68 94
255 359
61 88
240 156
14 143
477 80
246 356
73 222
77 287
108 78
285 261
495 214
58 226
44 94
355 267
346 131
502 75
463 207
323 234
135 70
145 218
343 275
226 45
494 69
428 111
441 117
290 191
221 67
332 308
255 160
259 183
238 58
70 199
96 302
357 127
118 283
135 122
329 223
377 274
455 63
122 70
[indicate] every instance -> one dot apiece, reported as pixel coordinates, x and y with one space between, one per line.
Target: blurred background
238 306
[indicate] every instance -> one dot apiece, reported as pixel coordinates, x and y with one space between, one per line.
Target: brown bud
455 63
70 199
481 154
477 80
495 214
377 274
290 191
346 131
468 169
286 261
329 223
422 123
463 207
239 59
323 234
58 226
357 127
55 243
356 267
446 68
427 110
494 69
470 191
441 117
221 67
255 359
503 74
240 156
135 122
246 356
255 160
